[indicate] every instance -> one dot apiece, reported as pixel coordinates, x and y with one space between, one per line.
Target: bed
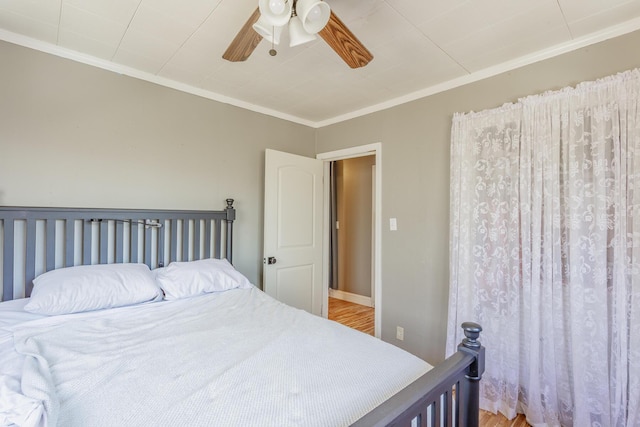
138 317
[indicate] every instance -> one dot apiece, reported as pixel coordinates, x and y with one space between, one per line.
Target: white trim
73 55
348 296
559 49
373 236
363 150
326 230
351 152
553 51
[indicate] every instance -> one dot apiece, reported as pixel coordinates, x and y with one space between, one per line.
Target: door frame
374 149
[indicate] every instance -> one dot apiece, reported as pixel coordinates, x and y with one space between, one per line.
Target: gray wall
415 181
355 204
75 135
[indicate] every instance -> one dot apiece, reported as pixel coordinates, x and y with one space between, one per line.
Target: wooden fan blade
245 41
344 43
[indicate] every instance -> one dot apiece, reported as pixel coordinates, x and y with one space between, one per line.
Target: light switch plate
393 224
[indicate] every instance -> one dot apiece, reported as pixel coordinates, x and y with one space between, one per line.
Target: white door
293 198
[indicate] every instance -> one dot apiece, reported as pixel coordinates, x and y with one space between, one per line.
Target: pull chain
272 51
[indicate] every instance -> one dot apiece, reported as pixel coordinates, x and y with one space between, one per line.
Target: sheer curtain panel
545 252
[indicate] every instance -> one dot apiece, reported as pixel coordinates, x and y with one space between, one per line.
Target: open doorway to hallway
351 256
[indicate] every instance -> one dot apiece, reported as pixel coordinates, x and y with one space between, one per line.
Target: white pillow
189 278
92 287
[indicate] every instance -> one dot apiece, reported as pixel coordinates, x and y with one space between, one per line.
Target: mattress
232 358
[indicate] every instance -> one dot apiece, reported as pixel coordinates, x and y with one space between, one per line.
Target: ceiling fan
304 19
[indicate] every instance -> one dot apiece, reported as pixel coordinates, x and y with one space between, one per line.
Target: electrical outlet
400 333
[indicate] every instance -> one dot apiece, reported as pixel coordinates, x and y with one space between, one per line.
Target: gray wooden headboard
35 240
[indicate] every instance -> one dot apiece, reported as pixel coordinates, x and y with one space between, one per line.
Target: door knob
271 260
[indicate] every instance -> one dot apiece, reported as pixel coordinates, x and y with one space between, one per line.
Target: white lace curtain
545 252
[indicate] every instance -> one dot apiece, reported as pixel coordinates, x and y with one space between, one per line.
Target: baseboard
348 296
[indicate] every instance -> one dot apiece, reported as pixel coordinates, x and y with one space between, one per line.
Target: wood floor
355 316
360 317
487 419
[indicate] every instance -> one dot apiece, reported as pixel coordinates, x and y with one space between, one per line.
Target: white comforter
236 358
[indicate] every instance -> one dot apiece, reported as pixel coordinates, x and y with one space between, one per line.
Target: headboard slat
104 242
119 242
87 230
185 240
216 248
146 243
42 239
174 239
207 239
50 243
69 242
30 254
197 253
134 242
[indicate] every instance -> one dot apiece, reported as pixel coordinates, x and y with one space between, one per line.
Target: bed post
470 388
231 216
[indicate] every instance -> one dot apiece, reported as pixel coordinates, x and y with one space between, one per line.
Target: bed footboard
447 395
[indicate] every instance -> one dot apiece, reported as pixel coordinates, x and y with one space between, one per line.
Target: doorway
372 253
351 290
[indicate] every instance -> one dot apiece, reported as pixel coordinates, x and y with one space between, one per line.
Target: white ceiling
419 46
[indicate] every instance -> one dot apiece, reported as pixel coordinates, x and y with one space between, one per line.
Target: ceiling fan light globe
297 33
314 14
268 32
276 6
271 11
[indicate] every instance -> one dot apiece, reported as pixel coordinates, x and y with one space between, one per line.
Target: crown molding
104 64
559 49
